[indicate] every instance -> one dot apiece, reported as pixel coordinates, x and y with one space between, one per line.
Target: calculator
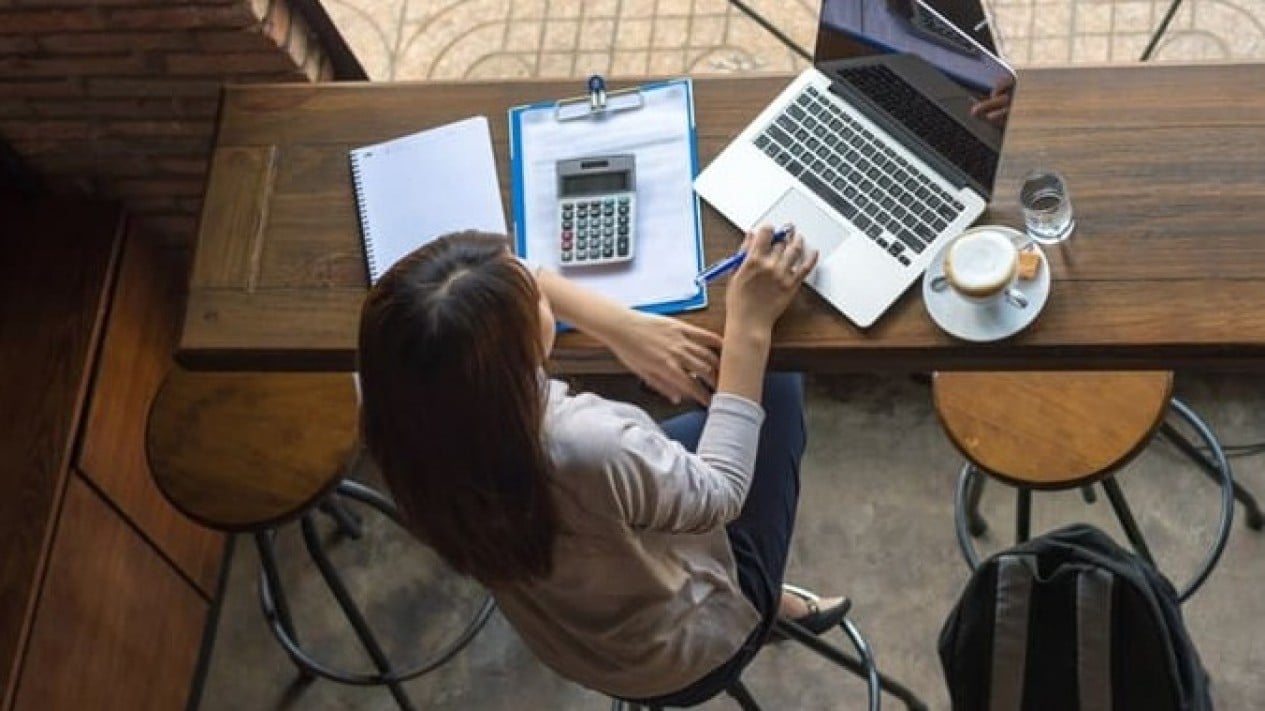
597 210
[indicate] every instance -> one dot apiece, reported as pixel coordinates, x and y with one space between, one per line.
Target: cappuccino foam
981 263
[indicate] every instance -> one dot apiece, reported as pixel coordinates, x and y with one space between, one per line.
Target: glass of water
1047 207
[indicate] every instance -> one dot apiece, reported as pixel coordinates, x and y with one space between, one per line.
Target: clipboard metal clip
598 102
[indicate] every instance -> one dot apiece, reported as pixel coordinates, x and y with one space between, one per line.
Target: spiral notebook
413 189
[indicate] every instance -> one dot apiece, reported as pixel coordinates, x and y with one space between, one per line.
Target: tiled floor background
493 39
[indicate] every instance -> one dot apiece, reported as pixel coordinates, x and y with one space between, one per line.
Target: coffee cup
982 266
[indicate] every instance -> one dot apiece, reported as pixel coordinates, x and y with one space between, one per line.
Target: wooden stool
1059 430
863 666
247 452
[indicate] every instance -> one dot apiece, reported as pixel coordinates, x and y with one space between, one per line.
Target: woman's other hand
677 359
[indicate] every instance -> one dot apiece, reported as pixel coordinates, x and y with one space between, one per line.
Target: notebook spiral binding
358 187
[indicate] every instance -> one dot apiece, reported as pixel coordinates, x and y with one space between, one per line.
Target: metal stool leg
1224 475
864 667
353 614
1125 515
739 693
1023 514
960 514
349 524
276 611
975 491
272 598
1087 493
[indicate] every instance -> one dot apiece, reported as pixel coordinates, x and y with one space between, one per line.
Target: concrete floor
875 523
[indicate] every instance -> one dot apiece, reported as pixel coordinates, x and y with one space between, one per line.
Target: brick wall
118 98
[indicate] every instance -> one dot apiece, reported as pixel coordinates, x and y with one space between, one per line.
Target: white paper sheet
668 250
413 189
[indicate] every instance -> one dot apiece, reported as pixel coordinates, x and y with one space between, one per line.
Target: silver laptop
873 154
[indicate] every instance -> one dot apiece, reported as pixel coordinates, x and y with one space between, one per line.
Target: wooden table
1165 164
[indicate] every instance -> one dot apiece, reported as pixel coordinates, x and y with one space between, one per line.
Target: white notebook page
413 189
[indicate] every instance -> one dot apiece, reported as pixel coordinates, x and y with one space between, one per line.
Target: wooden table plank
232 233
1215 327
1163 163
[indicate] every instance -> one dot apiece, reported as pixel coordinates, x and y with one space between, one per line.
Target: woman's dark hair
453 402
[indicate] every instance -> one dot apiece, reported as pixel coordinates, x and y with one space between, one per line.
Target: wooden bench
105 590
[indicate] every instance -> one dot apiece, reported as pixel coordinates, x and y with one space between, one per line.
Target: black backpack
1070 621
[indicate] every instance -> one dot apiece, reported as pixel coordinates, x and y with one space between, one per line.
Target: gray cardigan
643 599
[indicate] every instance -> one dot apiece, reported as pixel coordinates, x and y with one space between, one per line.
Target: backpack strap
1093 638
1011 610
1016 575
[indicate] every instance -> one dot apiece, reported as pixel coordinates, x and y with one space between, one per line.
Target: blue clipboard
589 114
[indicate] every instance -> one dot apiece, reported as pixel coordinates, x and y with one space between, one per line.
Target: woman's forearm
743 359
584 309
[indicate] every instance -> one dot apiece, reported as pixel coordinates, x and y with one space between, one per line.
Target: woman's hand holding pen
758 294
768 279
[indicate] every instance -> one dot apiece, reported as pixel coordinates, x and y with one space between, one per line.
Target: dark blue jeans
761 535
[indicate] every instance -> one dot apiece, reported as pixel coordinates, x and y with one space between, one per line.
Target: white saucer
991 322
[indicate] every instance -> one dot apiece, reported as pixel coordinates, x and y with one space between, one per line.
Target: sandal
817 621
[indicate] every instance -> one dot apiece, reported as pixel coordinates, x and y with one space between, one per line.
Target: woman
641 561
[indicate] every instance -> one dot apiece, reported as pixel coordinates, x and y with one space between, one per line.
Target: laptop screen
860 28
853 29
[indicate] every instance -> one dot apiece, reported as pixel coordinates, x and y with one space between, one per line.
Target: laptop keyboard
891 200
921 116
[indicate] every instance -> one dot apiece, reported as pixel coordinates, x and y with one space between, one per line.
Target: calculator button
608 232
623 231
595 205
566 256
566 223
609 241
608 210
623 202
608 252
623 247
607 222
623 209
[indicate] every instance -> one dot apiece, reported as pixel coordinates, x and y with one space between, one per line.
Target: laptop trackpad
821 231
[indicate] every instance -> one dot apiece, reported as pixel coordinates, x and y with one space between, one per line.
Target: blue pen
735 260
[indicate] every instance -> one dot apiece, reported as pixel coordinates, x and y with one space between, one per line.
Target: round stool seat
245 451
1054 429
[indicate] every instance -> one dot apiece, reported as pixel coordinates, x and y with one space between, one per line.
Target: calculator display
595 183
